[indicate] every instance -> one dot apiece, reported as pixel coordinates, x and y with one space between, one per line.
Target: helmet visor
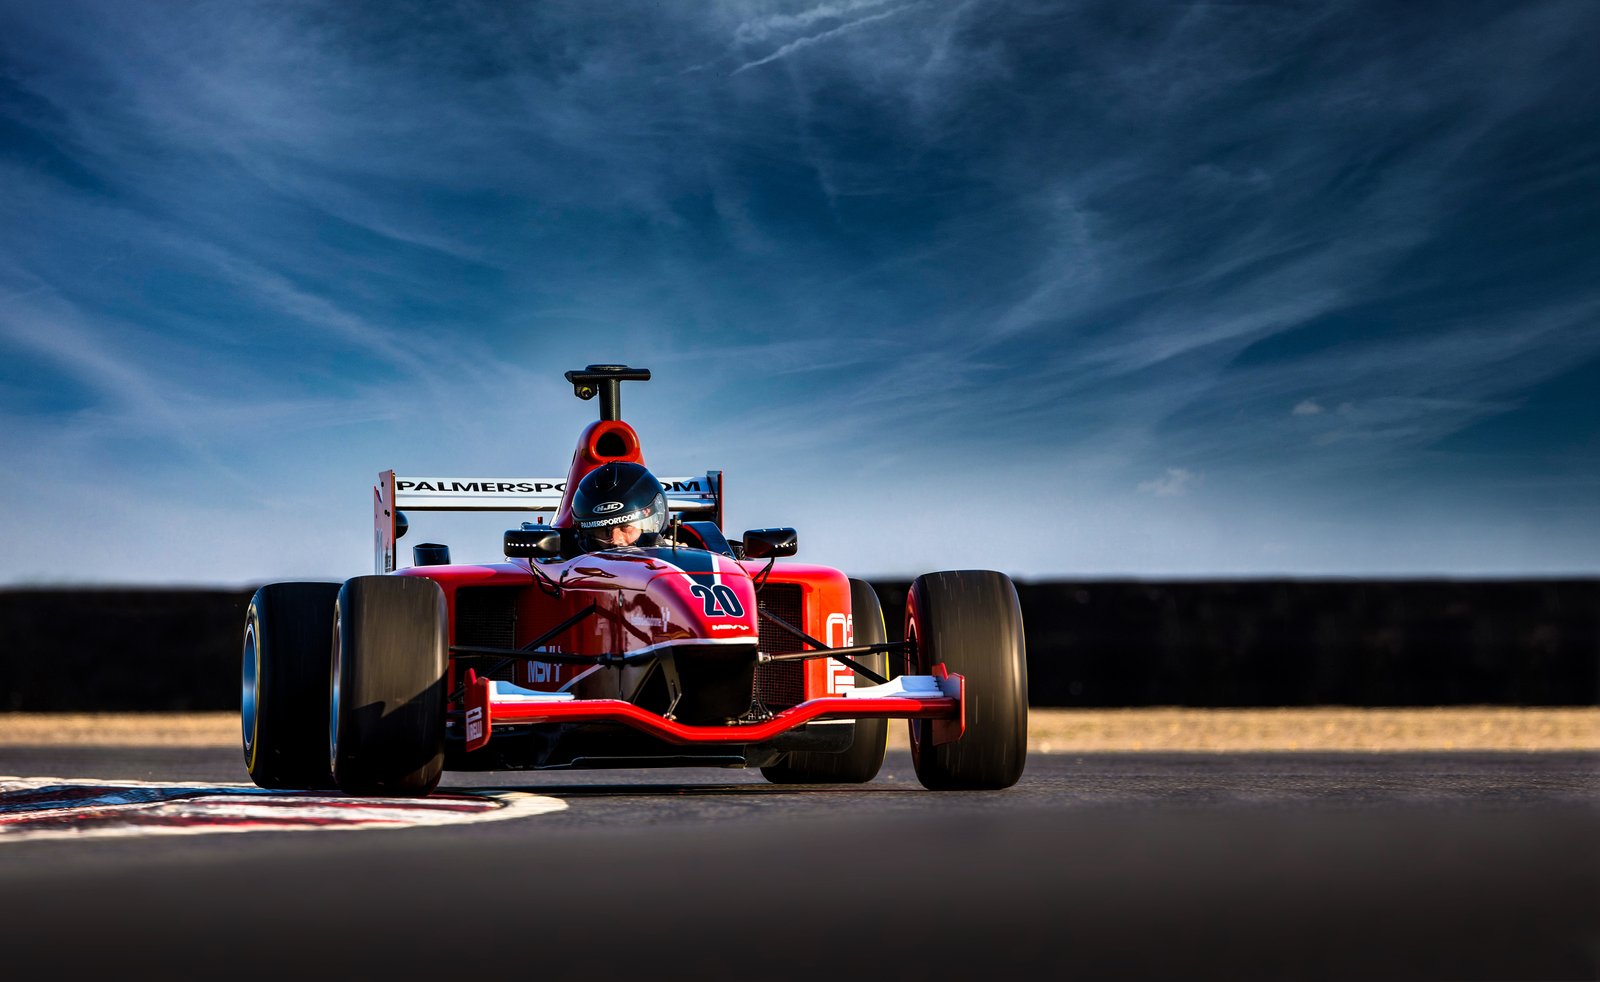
638 527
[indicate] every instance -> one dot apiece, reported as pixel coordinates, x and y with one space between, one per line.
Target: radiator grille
487 616
780 685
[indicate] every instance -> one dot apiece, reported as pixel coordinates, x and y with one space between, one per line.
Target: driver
617 506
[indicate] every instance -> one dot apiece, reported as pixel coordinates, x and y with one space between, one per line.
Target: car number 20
719 600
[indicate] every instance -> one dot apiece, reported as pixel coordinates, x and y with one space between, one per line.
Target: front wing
938 697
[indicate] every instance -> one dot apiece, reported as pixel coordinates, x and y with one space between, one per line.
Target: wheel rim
250 693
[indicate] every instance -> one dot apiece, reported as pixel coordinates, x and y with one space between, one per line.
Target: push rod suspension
860 649
531 646
555 657
509 655
556 631
838 654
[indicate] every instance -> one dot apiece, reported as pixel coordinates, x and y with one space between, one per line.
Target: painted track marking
75 808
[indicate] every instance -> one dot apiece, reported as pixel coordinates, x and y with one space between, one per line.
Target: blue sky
1062 289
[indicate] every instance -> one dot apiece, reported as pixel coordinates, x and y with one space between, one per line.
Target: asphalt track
1372 866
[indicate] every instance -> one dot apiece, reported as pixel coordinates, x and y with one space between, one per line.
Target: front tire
387 686
862 761
283 701
971 622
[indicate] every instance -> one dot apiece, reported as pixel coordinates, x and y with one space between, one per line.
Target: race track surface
1404 866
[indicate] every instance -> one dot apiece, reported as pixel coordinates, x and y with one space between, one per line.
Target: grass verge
1049 730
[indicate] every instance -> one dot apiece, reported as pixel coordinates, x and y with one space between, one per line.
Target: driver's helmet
617 505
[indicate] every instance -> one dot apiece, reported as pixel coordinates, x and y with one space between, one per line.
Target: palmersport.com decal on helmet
632 516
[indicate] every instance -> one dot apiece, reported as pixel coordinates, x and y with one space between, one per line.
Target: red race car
629 631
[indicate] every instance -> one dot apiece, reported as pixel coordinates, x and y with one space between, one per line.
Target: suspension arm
517 654
860 649
840 655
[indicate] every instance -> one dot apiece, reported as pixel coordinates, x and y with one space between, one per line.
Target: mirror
770 543
430 554
533 542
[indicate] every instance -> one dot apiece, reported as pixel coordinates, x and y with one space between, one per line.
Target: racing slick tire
288 631
970 621
387 686
862 761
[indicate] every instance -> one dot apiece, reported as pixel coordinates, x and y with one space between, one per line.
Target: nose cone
715 603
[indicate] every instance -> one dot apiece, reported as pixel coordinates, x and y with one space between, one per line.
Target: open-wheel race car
628 631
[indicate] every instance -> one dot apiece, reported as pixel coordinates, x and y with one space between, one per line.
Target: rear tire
862 761
387 686
288 633
971 622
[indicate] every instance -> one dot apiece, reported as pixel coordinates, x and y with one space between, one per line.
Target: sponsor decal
645 621
544 671
628 518
607 507
57 808
841 679
482 487
840 634
838 631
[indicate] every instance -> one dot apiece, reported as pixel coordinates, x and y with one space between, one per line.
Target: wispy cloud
759 29
1176 481
814 39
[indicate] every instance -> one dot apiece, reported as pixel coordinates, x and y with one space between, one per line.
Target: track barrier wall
1092 643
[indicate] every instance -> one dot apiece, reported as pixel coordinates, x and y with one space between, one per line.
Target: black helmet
618 495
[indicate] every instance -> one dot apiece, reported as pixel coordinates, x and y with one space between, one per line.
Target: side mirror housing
533 542
770 543
430 554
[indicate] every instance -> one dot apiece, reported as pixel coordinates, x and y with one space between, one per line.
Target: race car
591 644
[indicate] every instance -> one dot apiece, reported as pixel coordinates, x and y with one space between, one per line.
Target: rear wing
700 495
